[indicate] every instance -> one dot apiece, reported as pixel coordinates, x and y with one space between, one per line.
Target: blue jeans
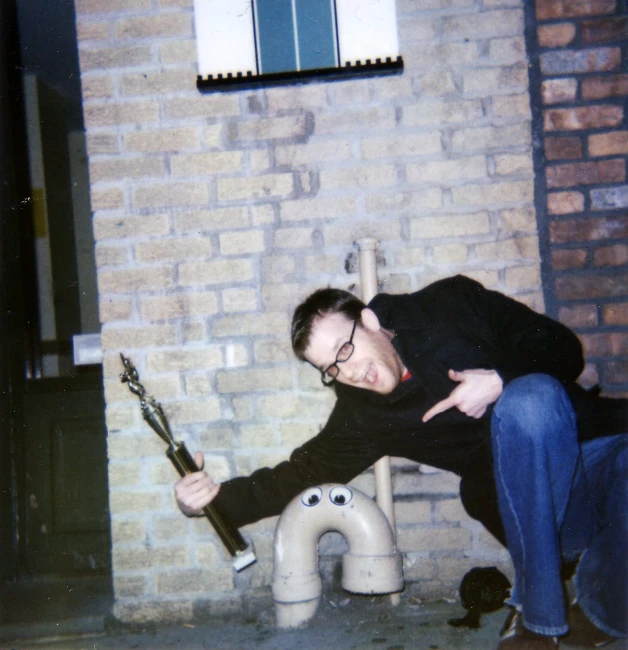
560 500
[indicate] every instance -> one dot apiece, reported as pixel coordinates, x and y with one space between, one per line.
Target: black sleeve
336 455
524 341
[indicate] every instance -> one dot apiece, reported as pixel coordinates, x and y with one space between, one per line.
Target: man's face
374 364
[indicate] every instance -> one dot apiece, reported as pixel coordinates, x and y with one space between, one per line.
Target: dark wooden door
66 514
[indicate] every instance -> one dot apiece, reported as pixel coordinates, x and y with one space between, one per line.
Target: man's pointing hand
477 389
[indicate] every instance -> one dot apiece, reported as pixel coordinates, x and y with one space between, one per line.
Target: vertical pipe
367 247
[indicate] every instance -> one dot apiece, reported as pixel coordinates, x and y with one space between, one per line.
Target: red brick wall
579 85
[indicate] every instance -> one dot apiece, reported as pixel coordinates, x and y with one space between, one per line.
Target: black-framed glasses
329 375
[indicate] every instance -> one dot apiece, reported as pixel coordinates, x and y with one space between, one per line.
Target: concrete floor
343 622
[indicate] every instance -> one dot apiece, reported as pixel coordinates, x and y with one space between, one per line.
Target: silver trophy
243 554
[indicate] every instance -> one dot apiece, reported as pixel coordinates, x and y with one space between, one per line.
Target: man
468 380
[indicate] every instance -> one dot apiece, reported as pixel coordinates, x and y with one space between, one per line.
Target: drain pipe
367 247
371 566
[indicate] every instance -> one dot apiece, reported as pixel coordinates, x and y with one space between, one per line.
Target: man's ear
370 320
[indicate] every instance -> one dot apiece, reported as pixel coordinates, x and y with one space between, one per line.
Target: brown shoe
517 637
582 632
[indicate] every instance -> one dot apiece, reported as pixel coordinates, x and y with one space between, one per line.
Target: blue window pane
276 36
315 27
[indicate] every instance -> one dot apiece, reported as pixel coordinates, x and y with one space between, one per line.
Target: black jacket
454 323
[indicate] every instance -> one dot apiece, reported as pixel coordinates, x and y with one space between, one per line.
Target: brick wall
215 214
580 72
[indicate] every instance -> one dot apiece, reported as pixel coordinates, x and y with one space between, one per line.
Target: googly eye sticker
340 495
312 496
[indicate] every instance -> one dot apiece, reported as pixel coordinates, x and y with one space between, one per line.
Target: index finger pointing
440 407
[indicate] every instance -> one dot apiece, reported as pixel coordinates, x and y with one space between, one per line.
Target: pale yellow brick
396 283
486 24
295 434
178 306
134 446
96 86
119 338
134 501
165 387
108 6
396 87
102 143
518 219
212 135
156 26
450 254
212 106
173 250
195 581
490 279
242 410
185 360
349 92
92 31
508 164
167 528
524 277
123 168
130 226
255 435
135 280
212 219
293 238
418 28
407 202
239 300
349 177
271 128
402 145
208 410
106 199
114 310
207 553
436 84
127 531
145 558
447 172
507 50
465 140
384 230
114 114
484 82
417 54
170 194
289 98
348 120
241 242
236 356
113 57
317 208
316 150
260 160
217 272
204 164
141 613
278 296
485 195
450 510
129 586
178 51
436 112
162 140
176 3
279 185
194 332
261 214
408 256
450 226
277 268
267 324
317 264
510 249
426 539
272 351
418 512
512 106
197 385
244 381
121 474
110 255
291 406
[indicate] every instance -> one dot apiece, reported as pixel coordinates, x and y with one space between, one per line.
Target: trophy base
244 559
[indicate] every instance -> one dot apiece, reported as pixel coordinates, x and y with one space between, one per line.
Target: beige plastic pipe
371 566
367 247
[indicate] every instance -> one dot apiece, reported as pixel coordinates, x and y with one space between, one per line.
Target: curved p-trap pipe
371 566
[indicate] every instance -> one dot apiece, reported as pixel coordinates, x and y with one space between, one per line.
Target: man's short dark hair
321 303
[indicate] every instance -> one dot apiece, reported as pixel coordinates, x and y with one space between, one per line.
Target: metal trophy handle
243 554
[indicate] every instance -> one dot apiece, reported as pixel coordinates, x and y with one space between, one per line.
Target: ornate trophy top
151 410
